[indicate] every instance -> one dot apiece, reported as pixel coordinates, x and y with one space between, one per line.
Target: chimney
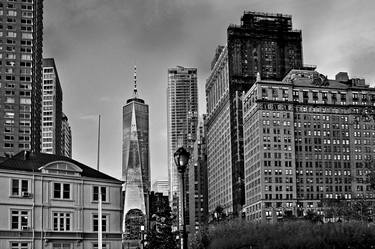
342 76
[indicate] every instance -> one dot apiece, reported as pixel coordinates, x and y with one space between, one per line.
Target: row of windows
61 221
20 145
27 245
314 96
20 138
63 191
21 78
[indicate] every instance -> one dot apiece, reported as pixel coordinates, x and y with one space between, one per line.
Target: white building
51 202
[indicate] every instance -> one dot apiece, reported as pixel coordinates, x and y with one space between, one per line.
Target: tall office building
198 203
66 137
182 109
264 45
135 164
52 109
306 138
20 75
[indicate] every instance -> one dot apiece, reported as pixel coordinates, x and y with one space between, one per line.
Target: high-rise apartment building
135 165
21 75
66 137
182 109
263 45
52 109
198 203
161 186
306 138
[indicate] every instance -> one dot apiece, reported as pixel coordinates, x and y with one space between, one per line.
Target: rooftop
32 162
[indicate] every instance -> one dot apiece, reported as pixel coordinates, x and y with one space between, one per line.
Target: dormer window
61 168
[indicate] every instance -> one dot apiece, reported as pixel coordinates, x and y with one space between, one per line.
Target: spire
135 82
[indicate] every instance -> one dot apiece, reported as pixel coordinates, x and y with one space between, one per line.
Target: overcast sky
95 44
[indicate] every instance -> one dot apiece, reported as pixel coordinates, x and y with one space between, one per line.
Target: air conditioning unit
25 228
26 194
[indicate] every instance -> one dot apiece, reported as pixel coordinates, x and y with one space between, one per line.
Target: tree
160 235
218 214
313 217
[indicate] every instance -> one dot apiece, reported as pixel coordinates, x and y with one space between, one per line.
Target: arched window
61 168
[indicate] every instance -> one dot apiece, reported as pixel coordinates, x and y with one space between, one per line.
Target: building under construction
263 45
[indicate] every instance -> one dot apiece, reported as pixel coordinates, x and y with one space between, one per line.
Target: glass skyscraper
135 164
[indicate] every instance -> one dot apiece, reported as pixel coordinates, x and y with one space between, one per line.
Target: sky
96 44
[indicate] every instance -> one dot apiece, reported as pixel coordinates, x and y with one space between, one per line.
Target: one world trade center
135 166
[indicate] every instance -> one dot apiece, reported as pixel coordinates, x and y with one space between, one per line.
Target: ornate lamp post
142 236
181 159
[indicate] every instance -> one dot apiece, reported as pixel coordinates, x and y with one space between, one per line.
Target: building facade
182 110
306 139
66 137
159 204
161 186
263 45
51 202
21 76
198 203
135 166
52 109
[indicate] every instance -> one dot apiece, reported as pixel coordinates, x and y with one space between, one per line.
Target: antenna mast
135 93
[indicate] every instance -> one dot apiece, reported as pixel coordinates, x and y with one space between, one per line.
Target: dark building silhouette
21 75
198 204
159 204
263 45
52 115
66 137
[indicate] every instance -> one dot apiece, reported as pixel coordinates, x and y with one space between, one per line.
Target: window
61 246
12 13
12 34
104 246
61 221
19 245
95 196
104 223
20 187
25 101
27 36
26 57
20 219
61 190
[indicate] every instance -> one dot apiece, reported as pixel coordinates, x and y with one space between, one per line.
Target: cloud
362 64
106 99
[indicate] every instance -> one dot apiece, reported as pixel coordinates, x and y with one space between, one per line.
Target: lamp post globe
181 159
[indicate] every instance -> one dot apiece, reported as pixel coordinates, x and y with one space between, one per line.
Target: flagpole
100 238
97 160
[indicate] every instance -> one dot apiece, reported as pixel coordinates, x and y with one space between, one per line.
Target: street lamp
181 159
142 235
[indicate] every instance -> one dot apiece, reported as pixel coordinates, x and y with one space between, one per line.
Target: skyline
92 39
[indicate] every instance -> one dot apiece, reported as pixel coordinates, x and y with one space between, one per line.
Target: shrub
238 234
